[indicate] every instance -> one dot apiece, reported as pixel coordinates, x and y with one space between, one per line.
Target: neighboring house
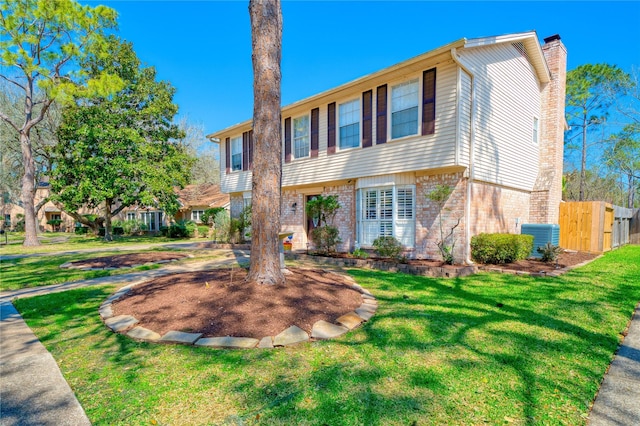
13 213
195 199
484 116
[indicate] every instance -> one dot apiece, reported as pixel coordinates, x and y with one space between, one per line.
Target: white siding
464 107
507 98
397 156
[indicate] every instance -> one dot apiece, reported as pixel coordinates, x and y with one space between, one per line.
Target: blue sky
204 47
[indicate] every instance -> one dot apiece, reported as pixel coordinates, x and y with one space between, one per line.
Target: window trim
390 111
231 143
293 136
361 209
358 101
199 218
535 131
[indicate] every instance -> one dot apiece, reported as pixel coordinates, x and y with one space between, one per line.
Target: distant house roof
202 195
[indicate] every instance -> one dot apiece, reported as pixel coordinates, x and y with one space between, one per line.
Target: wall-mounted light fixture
294 207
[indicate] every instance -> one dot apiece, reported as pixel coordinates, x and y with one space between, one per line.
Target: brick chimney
547 192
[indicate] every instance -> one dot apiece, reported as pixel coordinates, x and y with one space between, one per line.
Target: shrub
500 248
360 253
82 230
549 252
209 214
181 229
222 224
118 230
387 246
203 231
326 238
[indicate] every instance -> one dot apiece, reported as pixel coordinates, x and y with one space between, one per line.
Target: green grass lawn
45 270
490 348
62 241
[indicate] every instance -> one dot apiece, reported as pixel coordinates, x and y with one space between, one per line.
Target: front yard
489 348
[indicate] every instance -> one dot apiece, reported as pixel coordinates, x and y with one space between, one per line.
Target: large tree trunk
266 34
28 192
107 220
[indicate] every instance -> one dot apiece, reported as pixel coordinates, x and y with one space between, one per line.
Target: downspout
472 133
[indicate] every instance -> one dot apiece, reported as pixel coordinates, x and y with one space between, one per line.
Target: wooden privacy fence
595 226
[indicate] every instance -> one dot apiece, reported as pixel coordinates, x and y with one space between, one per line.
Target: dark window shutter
381 115
315 131
367 119
429 102
287 140
245 151
331 128
250 132
227 154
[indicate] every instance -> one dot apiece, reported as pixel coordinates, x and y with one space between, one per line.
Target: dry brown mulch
565 260
220 303
127 260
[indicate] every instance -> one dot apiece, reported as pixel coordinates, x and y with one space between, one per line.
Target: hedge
500 248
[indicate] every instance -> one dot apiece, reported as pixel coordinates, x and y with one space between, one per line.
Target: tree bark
266 35
107 220
583 163
28 192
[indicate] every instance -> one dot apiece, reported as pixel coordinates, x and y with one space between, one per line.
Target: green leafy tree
120 150
591 90
325 236
41 42
623 157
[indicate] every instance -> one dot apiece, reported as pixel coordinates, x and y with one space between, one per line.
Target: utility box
542 234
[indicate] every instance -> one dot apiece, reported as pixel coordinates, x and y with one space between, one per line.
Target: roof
528 39
202 195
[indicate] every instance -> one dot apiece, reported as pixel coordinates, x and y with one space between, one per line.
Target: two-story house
484 116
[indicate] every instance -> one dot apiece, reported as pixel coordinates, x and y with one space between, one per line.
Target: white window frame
395 87
535 137
196 215
301 142
236 153
358 114
381 219
131 215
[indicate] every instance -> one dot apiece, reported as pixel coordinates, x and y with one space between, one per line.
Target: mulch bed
220 303
127 260
565 260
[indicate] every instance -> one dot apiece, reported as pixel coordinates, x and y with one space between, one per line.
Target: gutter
472 133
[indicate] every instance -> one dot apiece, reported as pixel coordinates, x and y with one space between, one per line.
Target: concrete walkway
618 400
33 391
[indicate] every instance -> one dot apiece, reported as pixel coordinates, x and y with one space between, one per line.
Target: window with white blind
404 109
301 137
236 153
196 215
386 211
349 124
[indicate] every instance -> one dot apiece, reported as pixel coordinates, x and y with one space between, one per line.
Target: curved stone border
321 330
70 265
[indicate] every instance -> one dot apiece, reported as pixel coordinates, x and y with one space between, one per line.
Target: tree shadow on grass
473 349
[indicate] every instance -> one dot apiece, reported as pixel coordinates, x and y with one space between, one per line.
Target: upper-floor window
349 124
236 153
404 109
536 126
301 137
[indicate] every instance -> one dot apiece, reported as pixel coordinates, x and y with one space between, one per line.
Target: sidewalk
33 390
618 400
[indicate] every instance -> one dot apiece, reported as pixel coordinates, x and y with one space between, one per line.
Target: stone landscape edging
321 330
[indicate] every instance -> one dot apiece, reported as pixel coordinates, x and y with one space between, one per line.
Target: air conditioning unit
542 234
